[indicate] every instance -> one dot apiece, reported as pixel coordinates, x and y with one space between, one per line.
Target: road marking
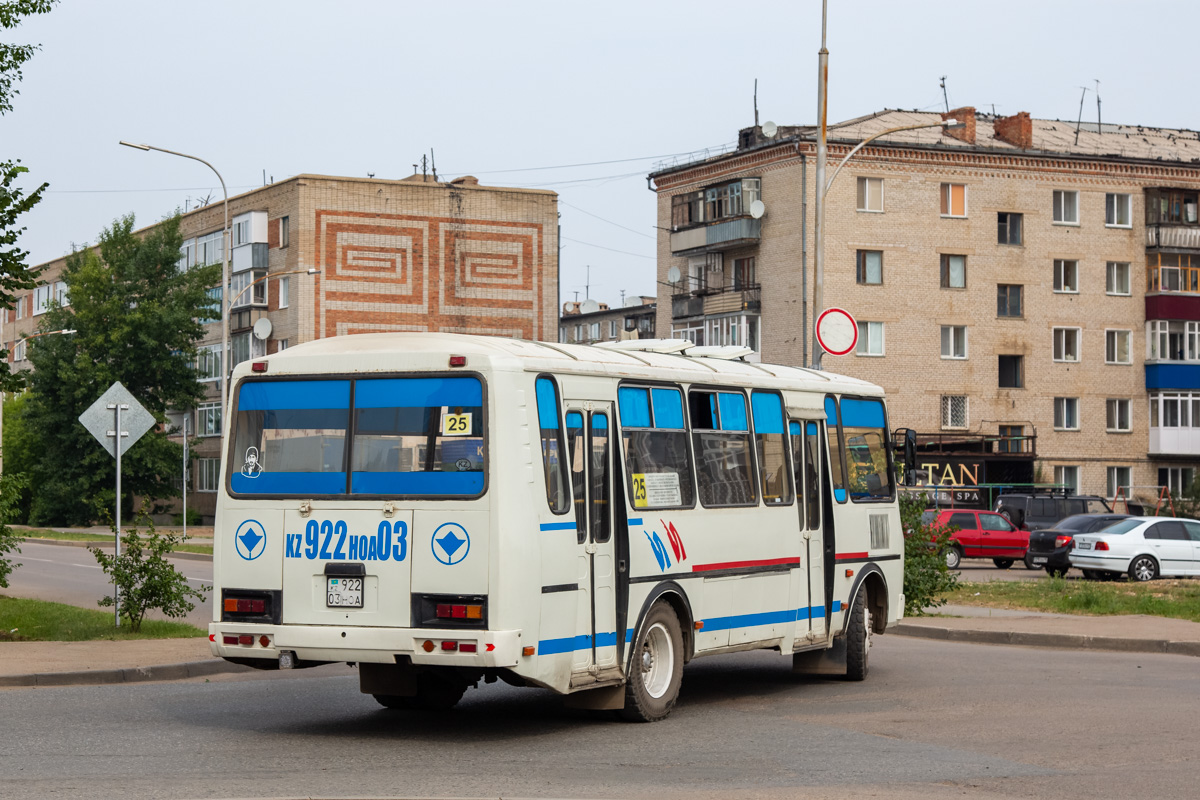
94 566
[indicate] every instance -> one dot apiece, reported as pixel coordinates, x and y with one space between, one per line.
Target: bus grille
879 531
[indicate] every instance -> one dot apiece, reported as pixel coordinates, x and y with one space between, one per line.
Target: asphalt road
71 575
933 720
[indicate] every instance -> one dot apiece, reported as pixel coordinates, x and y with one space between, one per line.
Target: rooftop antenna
587 286
756 102
622 298
264 177
370 175
945 97
576 298
1080 122
433 163
424 167
1098 128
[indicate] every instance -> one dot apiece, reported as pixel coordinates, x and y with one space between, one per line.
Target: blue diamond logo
451 543
250 540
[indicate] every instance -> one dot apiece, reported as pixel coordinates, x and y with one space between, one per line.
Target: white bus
441 509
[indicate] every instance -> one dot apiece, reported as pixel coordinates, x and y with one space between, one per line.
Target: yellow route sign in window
639 490
456 425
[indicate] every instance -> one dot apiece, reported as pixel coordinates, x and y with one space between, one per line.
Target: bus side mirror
910 457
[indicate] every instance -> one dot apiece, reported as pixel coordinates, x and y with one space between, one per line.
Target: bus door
590 439
807 461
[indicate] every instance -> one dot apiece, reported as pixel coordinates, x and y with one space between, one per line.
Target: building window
208 362
19 351
1066 344
283 345
1008 300
1116 413
954 272
578 333
714 203
209 249
1009 227
1172 340
1012 372
954 341
1068 478
954 200
1175 479
1117 211
1117 278
612 329
1012 439
41 299
1066 413
208 419
208 474
1066 275
1116 347
1174 410
743 274
60 293
241 233
1066 207
21 307
243 296
870 339
954 411
285 231
1171 206
245 346
594 332
214 306
870 266
1118 481
870 194
285 291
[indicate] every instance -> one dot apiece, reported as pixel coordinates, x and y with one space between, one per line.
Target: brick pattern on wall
400 272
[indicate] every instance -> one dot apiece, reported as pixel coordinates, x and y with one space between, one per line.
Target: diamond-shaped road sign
101 416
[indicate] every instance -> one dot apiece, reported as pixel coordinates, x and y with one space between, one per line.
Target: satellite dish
633 302
589 306
673 275
757 209
769 129
262 329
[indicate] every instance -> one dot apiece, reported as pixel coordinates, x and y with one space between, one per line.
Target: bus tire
434 693
858 638
656 667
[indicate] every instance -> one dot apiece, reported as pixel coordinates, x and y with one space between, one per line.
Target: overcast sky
503 90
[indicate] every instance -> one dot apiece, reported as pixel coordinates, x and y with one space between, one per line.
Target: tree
10 490
136 315
15 276
926 576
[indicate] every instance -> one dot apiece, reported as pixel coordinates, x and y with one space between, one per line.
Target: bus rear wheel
858 638
656 668
434 693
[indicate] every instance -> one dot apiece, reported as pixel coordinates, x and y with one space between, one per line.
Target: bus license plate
344 592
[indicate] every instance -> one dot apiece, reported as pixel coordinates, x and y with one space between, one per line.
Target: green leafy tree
10 491
135 315
14 56
926 576
145 580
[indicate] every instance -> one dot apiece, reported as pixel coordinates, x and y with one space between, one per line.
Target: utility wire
569 166
602 219
602 247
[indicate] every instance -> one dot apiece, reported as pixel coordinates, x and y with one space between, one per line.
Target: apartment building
1027 291
391 255
633 320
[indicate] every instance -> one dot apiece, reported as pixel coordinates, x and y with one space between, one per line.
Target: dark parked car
1049 548
1032 512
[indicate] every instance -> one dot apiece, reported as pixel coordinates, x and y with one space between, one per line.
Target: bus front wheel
858 638
656 668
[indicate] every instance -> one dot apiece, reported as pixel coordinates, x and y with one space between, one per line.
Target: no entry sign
837 332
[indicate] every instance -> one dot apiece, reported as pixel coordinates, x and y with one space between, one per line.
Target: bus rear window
411 437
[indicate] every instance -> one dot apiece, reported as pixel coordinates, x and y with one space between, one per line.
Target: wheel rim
658 661
1143 570
952 558
867 632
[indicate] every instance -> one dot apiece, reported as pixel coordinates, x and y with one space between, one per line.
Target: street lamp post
14 347
224 259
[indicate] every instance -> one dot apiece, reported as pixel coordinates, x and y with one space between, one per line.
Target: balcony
1179 237
707 302
1173 279
723 235
958 444
1175 442
1173 375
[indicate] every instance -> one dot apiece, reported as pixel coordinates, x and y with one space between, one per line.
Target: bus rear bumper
430 646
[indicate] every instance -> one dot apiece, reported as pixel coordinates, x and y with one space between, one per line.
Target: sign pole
117 438
185 477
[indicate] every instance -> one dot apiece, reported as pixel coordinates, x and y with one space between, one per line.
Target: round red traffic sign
837 332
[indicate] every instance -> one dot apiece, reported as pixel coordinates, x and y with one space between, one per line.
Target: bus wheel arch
673 594
872 581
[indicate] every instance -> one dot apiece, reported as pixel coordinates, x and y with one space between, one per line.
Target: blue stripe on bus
768 412
862 413
547 404
733 411
635 521
568 644
269 396
558 526
432 483
418 392
634 406
289 483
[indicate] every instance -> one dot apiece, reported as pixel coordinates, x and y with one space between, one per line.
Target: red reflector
1101 545
264 640
459 612
229 640
449 645
258 366
246 638
458 361
466 647
443 611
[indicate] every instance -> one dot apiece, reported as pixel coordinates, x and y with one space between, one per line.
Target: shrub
11 487
926 576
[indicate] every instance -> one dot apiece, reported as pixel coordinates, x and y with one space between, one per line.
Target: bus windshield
865 430
421 437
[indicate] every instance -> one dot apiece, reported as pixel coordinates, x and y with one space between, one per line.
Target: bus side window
771 443
721 437
796 436
836 466
575 456
599 451
812 474
552 446
656 447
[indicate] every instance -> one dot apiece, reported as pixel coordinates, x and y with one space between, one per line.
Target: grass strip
1177 599
24 620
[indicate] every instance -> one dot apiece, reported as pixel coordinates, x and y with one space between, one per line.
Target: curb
68 543
1063 641
97 677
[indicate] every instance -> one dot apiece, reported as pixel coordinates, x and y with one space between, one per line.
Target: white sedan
1144 547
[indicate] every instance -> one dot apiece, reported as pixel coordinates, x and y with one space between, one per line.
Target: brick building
1021 287
634 320
403 255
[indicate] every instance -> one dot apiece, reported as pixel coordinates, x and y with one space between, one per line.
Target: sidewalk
77 663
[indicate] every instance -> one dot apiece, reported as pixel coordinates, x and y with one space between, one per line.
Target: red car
980 534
